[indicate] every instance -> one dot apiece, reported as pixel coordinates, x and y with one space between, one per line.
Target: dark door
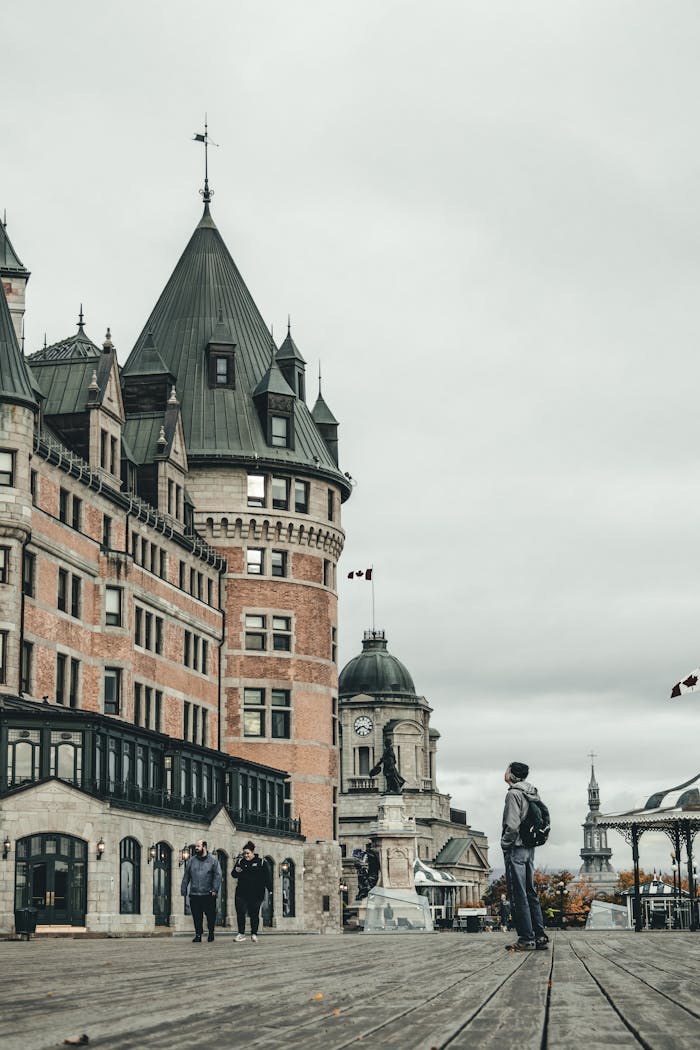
222 898
161 884
268 904
50 875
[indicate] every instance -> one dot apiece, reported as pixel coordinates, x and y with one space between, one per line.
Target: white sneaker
254 938
240 937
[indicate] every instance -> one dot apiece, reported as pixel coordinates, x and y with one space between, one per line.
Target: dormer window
221 370
279 431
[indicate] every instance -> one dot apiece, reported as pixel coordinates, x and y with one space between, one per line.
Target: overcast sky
484 219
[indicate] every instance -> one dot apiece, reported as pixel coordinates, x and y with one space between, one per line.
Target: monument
393 906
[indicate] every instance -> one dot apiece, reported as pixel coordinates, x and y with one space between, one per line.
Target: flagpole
372 581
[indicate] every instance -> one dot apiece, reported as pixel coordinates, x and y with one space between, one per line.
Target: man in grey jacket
520 863
203 878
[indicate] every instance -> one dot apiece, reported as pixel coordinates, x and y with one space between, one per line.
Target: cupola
221 357
292 365
274 401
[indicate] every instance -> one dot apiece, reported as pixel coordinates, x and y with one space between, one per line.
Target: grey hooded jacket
514 812
202 876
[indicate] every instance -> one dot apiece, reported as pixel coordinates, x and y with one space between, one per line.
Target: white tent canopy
427 876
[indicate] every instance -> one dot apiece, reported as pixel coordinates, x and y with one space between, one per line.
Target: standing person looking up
520 862
253 877
203 877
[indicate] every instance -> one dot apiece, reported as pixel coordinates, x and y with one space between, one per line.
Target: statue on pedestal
387 764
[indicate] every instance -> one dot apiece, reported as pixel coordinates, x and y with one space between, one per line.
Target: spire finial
319 377
81 319
172 400
206 193
289 324
45 343
272 345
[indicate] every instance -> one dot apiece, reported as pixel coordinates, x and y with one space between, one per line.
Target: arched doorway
268 904
222 898
162 864
51 876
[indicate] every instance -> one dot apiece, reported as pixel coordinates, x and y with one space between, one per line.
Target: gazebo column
688 835
637 906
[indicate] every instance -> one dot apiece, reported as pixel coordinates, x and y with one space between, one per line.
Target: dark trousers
251 908
524 902
201 905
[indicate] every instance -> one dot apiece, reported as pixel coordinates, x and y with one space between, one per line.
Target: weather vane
206 193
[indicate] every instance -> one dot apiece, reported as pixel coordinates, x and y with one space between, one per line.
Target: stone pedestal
394 838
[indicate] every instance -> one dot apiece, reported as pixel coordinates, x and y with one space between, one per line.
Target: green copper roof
9 260
16 384
321 413
65 384
73 347
273 382
375 672
289 350
205 292
147 361
141 435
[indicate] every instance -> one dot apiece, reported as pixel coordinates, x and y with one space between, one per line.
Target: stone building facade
169 535
379 703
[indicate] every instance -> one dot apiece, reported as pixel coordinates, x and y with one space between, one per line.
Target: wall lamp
342 886
6 847
152 852
184 855
284 867
100 848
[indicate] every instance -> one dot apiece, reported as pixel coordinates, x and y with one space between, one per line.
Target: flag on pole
360 574
688 685
199 138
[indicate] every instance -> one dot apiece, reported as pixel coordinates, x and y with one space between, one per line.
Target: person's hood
529 790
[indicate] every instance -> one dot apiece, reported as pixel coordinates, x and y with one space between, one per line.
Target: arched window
288 885
129 877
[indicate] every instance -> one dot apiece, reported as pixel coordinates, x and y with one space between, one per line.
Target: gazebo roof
660 810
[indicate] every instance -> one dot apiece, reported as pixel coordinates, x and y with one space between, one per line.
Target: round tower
267 492
18 411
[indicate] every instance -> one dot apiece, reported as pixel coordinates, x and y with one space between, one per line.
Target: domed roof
375 672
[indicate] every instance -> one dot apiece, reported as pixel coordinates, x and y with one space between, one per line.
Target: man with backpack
525 825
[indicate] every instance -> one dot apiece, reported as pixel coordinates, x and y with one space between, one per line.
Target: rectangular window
334 644
5 565
7 469
195 654
301 497
181 576
138 625
104 437
34 485
61 661
171 489
210 591
62 598
63 505
256 490
113 690
113 456
278 563
113 606
106 531
254 561
195 723
281 634
186 721
163 569
255 632
205 728
280 715
222 370
187 656
154 559
137 703
254 712
158 714
144 553
326 572
148 631
77 517
76 590
148 705
3 657
159 635
279 432
193 578
74 689
280 493
334 719
135 547
25 672
205 656
331 504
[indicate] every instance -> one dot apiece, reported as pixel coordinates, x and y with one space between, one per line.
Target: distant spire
289 324
81 320
319 377
45 344
108 344
272 345
206 193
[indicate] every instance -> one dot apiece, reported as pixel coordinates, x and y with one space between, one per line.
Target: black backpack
535 826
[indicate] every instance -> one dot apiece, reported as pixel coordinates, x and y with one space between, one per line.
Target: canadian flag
688 685
360 574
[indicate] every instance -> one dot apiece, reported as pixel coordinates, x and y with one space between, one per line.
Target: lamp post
562 891
184 855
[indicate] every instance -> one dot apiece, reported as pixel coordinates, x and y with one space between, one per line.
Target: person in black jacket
253 877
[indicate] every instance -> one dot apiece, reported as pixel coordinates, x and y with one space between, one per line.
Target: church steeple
596 853
593 790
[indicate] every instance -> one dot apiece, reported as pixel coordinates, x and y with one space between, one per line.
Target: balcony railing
362 784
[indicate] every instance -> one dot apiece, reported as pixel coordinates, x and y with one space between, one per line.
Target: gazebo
675 812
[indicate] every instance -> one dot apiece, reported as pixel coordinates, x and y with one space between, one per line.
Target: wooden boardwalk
325 993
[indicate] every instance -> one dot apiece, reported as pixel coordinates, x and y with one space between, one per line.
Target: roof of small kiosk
424 875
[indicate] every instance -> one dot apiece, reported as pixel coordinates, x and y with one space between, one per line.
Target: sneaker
542 943
254 938
521 946
240 937
210 937
197 939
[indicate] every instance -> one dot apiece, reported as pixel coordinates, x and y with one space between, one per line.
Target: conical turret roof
289 351
9 259
205 290
16 384
321 413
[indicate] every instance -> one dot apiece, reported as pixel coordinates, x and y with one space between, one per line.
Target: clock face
363 725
